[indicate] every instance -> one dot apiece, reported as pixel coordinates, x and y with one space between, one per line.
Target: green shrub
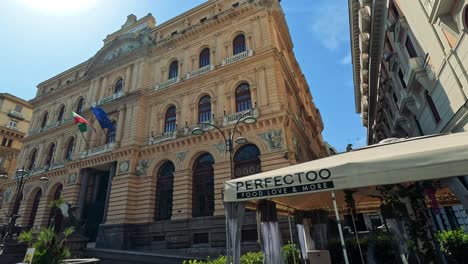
50 247
454 244
383 247
290 251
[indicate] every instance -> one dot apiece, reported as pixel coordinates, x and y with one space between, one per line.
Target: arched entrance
164 191
203 186
34 207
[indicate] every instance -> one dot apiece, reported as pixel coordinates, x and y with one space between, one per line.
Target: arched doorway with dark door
203 186
36 199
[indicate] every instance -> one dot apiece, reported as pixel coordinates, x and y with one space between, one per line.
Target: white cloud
346 59
330 24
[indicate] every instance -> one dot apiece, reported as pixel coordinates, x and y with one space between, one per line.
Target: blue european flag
102 118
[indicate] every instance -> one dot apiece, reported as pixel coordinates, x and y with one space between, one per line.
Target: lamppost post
19 175
229 142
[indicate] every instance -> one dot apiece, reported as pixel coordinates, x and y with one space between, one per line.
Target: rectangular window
174 33
410 48
10 141
203 20
401 76
18 108
235 5
4 142
13 124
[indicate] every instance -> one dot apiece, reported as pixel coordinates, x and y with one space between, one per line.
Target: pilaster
221 175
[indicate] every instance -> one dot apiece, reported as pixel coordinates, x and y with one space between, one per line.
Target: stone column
221 175
120 124
182 195
102 93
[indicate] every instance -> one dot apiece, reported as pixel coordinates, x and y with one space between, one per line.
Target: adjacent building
148 183
410 61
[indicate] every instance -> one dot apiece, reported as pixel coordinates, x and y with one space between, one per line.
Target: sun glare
59 7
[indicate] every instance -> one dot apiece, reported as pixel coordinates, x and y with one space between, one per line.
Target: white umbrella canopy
301 186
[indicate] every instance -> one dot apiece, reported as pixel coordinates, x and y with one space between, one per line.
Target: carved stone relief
274 139
142 167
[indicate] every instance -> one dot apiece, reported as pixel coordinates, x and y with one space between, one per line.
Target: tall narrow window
203 186
32 160
61 113
239 44
174 70
111 132
35 206
50 155
204 109
69 151
204 58
401 77
55 217
80 106
410 48
243 98
433 108
119 86
44 120
247 161
164 191
170 120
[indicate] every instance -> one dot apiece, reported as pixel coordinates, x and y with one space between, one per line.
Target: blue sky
43 38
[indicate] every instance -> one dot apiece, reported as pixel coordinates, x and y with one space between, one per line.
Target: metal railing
163 137
98 150
16 114
200 71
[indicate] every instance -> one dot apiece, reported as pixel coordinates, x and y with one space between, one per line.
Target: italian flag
81 122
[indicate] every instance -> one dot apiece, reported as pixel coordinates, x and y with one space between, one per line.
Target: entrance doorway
95 192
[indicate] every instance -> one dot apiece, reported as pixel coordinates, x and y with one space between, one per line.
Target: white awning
415 159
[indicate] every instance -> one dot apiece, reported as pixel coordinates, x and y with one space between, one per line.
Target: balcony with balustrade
15 114
108 99
166 84
200 71
233 118
98 150
238 57
155 139
50 126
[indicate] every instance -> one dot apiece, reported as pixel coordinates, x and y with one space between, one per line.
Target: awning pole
343 245
292 241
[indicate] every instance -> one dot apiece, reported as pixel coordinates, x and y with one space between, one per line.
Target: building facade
15 115
410 61
149 183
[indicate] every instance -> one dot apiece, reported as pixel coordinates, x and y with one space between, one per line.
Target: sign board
28 258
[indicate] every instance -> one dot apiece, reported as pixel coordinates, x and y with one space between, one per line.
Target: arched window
55 217
204 59
203 186
433 108
111 133
69 150
44 120
61 113
239 44
119 86
50 155
170 120
32 160
247 161
174 70
80 106
243 98
164 190
204 109
35 206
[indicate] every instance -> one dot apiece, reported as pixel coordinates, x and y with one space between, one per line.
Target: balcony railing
39 170
237 57
200 71
98 150
163 137
167 83
232 119
415 67
188 130
108 99
11 127
50 126
16 114
57 165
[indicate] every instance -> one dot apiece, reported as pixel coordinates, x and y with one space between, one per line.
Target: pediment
120 47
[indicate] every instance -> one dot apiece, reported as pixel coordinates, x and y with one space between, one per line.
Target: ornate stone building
149 183
410 62
15 115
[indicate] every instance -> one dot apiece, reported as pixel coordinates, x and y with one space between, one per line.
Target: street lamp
229 141
19 176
